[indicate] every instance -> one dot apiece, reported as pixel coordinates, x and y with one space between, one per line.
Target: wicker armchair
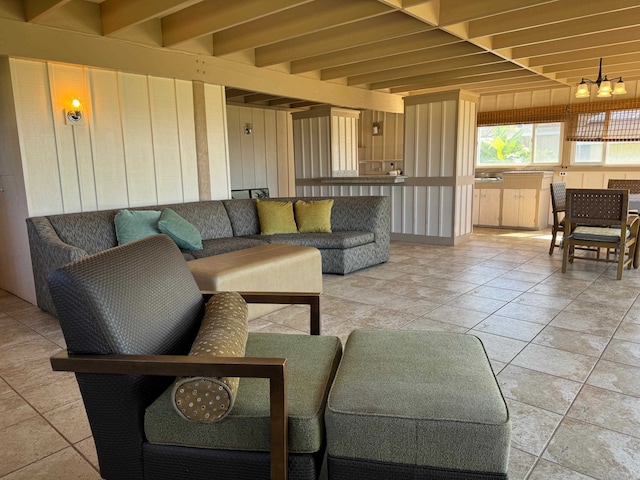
558 200
600 219
129 316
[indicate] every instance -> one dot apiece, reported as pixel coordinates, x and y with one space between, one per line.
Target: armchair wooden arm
275 369
311 299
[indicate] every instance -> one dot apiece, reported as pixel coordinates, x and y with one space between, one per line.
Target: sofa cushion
209 217
311 365
93 232
313 216
179 230
223 333
338 240
244 216
136 224
276 217
216 246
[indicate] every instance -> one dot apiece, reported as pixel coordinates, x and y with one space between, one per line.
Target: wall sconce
377 128
73 114
248 129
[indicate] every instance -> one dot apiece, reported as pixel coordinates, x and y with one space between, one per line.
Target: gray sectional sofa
359 238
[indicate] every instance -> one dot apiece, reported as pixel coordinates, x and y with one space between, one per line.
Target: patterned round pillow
223 333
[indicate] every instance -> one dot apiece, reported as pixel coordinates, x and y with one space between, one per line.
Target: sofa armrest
275 369
48 253
311 299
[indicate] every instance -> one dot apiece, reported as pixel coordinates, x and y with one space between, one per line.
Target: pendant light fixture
604 86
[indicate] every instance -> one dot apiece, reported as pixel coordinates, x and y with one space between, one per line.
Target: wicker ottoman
267 268
416 404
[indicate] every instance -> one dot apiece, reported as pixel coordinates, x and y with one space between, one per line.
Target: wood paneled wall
135 146
376 153
263 158
325 143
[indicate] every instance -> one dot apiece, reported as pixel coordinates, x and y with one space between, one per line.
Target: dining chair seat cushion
311 365
597 234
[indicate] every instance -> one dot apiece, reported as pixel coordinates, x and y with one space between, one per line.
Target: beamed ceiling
403 47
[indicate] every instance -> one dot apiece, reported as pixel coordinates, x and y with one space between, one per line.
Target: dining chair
624 184
599 218
558 200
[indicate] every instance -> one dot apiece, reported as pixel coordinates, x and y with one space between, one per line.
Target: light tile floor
565 348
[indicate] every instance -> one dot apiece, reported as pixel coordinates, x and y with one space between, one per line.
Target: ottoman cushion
418 398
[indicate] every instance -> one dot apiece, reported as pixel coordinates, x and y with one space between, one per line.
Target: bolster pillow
223 333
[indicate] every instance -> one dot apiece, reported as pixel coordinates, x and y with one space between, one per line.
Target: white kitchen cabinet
486 207
519 207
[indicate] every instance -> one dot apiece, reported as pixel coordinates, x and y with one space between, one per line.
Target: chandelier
604 86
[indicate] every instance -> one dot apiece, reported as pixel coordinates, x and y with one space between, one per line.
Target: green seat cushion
311 362
418 398
597 234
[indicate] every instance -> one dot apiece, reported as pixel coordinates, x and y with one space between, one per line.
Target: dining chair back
558 200
599 219
625 184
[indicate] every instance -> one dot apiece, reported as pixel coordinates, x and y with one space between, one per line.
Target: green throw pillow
313 216
182 232
276 217
135 224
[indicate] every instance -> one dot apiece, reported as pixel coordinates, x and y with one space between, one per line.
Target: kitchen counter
364 180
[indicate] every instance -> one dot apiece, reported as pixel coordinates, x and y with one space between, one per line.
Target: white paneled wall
263 158
325 143
136 145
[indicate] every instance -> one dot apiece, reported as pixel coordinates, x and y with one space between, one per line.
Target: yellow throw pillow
276 217
313 216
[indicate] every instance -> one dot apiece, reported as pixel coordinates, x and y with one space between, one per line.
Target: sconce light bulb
75 103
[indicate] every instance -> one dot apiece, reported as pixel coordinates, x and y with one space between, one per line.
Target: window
608 153
528 144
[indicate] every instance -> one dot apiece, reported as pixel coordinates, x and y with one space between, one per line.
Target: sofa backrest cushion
91 231
244 216
210 217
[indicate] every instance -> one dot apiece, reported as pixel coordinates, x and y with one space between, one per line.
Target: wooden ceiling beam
364 32
462 73
566 30
34 10
459 11
560 11
294 22
117 15
610 65
386 49
462 81
236 92
430 68
423 56
602 40
210 16
593 53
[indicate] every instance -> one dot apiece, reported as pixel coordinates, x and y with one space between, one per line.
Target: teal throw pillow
181 231
135 224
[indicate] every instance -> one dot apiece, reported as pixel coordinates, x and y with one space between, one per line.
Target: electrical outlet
563 174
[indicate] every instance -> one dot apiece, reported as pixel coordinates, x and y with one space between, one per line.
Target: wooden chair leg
554 232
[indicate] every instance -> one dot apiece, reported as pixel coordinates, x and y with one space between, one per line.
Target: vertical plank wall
135 147
263 158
